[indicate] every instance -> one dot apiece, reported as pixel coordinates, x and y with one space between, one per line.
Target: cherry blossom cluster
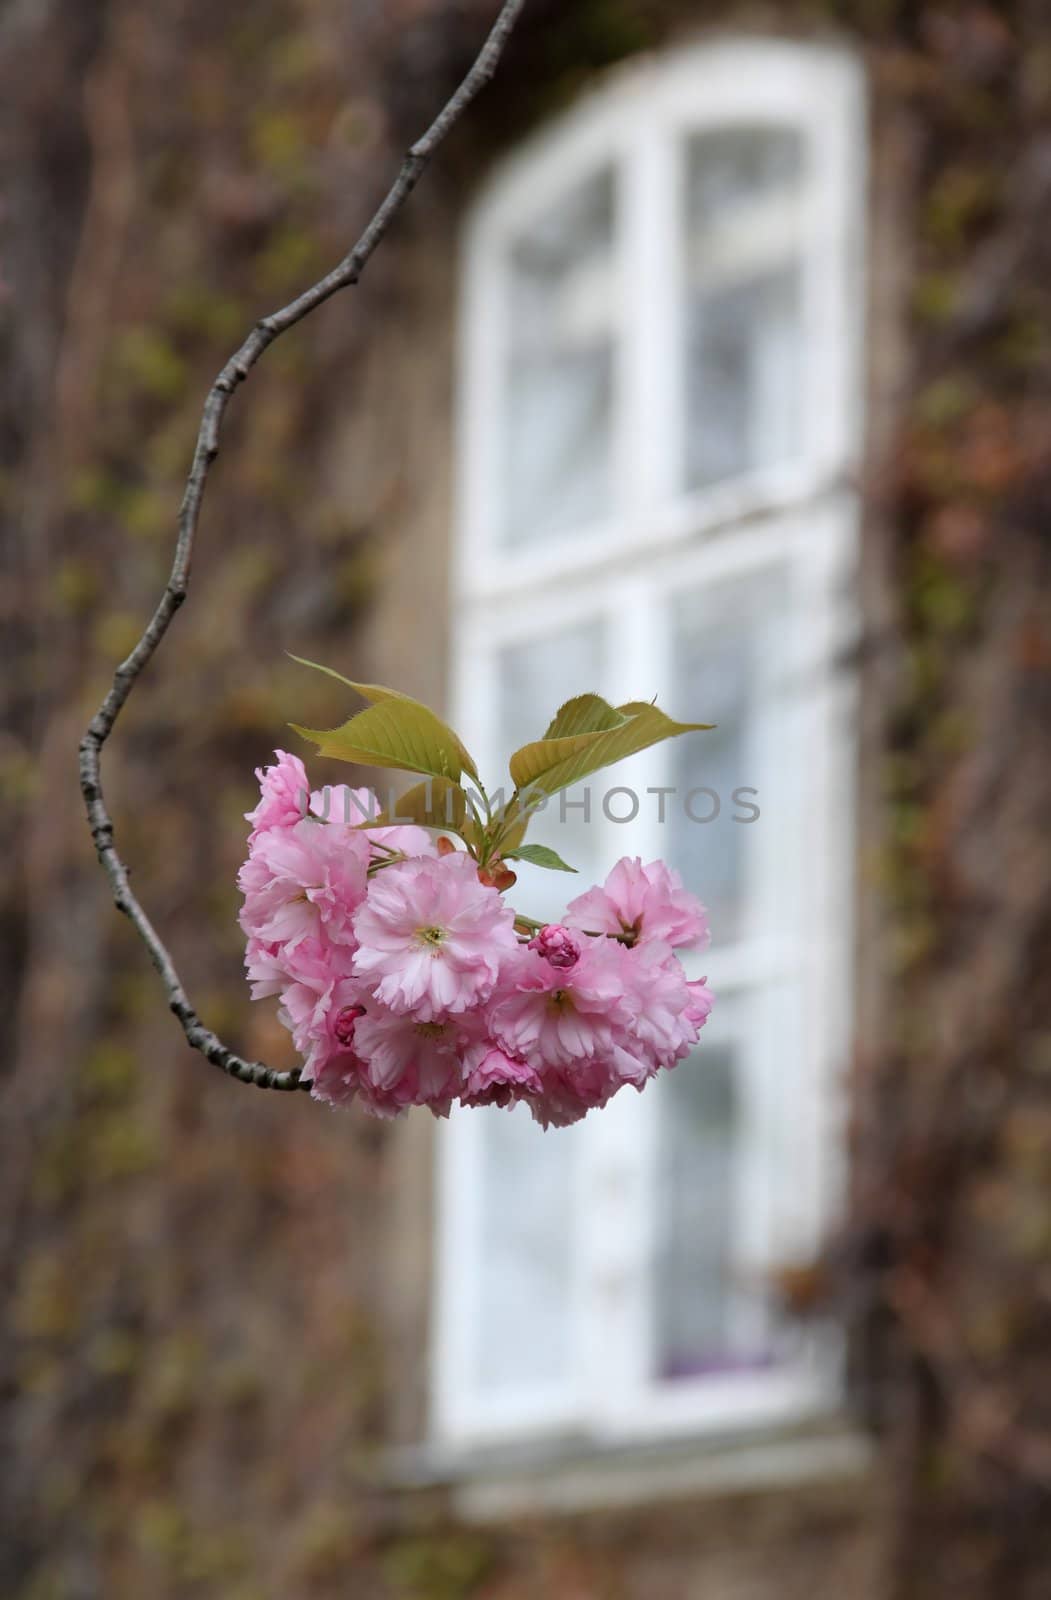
405 979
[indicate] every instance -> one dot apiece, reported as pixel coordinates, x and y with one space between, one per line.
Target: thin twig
235 371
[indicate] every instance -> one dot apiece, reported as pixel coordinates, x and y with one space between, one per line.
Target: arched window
658 427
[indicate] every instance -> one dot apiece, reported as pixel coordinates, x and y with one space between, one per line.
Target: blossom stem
391 861
530 926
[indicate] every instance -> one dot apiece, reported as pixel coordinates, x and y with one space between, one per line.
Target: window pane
742 355
711 1313
731 169
560 382
709 853
695 1209
723 638
742 313
535 678
524 1216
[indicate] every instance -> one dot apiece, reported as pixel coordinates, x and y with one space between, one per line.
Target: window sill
568 1475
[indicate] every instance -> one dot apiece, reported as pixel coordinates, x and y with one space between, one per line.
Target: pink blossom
407 1062
700 1003
337 1079
303 882
557 945
266 968
311 1007
615 1018
340 804
568 1095
649 902
558 1018
319 1006
284 794
493 1078
345 807
333 1066
273 966
662 1029
410 987
431 938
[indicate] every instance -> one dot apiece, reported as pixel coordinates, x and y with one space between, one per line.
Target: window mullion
622 1148
832 278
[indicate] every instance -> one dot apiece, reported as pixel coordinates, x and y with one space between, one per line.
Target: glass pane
722 638
560 381
710 1318
742 376
732 168
743 297
535 678
695 1204
525 1306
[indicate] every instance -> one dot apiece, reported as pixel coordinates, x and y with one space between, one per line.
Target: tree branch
233 373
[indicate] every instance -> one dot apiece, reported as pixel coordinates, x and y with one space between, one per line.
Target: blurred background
710 361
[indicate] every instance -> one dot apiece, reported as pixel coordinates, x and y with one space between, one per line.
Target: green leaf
540 856
395 731
512 829
435 803
631 707
514 822
408 738
585 713
368 691
550 764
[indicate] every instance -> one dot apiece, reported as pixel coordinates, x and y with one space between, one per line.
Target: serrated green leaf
585 713
548 765
367 691
538 855
396 731
631 707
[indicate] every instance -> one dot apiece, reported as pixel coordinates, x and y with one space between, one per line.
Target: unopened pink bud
557 946
344 1024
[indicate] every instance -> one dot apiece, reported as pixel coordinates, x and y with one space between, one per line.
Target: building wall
217 1298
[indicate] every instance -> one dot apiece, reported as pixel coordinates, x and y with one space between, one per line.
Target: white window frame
798 519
